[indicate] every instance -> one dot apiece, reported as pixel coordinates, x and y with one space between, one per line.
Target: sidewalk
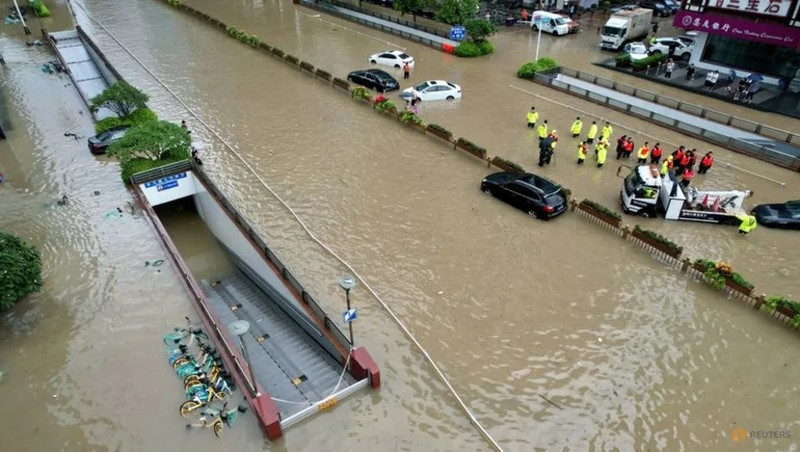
384 25
769 98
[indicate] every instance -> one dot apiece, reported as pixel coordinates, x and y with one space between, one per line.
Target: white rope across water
394 317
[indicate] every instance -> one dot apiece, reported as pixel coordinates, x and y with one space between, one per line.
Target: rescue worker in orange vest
621 146
686 177
655 154
705 163
583 148
692 158
628 147
683 163
677 156
644 151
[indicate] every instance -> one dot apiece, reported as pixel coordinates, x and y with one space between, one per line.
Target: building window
751 56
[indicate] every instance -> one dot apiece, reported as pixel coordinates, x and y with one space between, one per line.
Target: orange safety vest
688 175
707 161
656 152
628 146
643 151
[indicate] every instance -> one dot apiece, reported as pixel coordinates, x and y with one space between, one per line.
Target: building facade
748 36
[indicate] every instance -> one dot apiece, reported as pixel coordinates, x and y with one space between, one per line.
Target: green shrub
137 165
652 60
385 106
705 263
660 239
324 74
360 92
291 59
307 66
21 270
174 3
529 69
407 117
623 60
774 302
440 130
472 146
739 279
278 52
468 49
139 116
508 163
602 209
486 47
717 274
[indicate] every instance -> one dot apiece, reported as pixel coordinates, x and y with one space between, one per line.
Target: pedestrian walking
620 146
655 28
751 91
583 148
655 154
546 149
576 127
605 134
670 68
690 72
644 152
532 117
602 153
184 126
628 148
542 130
592 133
406 70
748 223
705 163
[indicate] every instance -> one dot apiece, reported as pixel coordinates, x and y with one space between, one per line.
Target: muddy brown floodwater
636 356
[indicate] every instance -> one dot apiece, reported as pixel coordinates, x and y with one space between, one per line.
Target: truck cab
640 191
614 33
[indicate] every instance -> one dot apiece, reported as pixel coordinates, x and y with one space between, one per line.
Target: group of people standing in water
681 162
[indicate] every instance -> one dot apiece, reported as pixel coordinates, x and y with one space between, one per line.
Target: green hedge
137 165
529 69
472 146
469 49
21 270
623 60
292 59
717 273
359 92
243 36
385 106
602 209
139 116
513 165
652 60
441 130
660 239
775 302
406 117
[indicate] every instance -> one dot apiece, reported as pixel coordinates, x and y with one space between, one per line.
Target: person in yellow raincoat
590 136
748 223
582 150
542 130
666 165
602 153
532 117
605 134
576 128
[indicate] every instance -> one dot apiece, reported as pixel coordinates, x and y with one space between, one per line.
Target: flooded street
633 356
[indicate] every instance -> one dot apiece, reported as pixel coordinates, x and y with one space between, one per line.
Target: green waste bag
40 8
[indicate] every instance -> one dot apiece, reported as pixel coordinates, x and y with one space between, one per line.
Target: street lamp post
240 328
347 283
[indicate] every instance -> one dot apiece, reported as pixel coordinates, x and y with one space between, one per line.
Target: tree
479 29
121 98
455 12
154 140
20 270
411 6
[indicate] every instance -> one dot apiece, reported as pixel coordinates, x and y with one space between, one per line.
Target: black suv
540 197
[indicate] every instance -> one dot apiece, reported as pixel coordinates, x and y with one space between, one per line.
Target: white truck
625 26
645 192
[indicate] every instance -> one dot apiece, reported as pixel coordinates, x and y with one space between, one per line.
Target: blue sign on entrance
457 33
166 182
350 315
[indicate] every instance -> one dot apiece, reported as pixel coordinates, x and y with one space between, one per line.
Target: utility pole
22 19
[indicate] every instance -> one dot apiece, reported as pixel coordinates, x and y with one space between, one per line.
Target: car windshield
560 21
104 136
612 31
382 76
403 56
632 181
794 208
422 86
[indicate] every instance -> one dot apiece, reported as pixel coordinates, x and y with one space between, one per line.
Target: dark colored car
98 144
659 8
540 197
672 4
786 215
375 79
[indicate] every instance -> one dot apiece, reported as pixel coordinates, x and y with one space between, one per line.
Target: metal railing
161 171
307 299
692 109
766 153
372 24
390 18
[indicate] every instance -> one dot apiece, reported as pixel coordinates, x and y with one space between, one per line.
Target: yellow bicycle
203 397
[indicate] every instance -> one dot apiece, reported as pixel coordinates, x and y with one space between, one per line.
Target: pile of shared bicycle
205 382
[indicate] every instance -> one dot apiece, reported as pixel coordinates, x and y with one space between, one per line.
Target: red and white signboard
778 8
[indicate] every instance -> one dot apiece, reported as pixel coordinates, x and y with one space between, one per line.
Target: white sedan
683 50
394 58
636 50
433 90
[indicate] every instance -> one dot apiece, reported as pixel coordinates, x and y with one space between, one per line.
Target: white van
549 23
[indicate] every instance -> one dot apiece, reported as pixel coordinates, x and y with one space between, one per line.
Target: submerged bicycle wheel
188 406
218 427
173 337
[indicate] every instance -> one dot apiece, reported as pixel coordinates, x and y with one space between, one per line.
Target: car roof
540 183
378 72
438 82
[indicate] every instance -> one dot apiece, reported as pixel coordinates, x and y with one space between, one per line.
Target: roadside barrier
718 275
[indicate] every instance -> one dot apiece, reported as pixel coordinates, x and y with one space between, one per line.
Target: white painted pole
22 19
538 39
